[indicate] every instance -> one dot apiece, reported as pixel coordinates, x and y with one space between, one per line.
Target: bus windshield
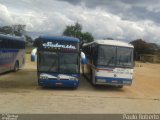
115 56
68 63
106 55
48 62
65 63
124 57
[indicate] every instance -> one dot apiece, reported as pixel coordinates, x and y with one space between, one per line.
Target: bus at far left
12 53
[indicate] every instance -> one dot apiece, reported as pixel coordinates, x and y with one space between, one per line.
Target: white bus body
109 62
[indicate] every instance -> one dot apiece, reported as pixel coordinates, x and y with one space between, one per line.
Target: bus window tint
1 43
68 63
124 56
48 62
106 55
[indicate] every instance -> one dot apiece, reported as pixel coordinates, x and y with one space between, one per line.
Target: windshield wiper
124 65
110 60
51 66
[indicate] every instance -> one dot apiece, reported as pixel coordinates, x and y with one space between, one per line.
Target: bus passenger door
94 56
1 68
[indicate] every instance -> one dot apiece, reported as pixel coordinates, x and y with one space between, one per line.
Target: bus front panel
113 76
61 80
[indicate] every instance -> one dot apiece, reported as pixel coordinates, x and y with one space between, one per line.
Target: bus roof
11 37
64 38
111 42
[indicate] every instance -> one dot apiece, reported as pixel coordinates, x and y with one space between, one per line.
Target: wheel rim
16 66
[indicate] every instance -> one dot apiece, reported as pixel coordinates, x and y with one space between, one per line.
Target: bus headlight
73 78
43 77
101 80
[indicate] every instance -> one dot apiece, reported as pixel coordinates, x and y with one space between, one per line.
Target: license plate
59 84
101 80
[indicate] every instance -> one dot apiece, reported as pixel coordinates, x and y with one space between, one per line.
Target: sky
125 20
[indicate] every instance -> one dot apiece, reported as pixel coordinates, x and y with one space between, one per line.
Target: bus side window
1 43
14 44
10 43
94 54
6 43
91 53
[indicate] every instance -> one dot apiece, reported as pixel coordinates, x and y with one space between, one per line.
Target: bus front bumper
112 81
58 83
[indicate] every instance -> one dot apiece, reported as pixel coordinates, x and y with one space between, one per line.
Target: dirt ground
19 93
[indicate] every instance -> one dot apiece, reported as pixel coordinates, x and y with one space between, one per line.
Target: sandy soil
19 93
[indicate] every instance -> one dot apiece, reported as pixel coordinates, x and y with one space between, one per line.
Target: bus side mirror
33 54
83 58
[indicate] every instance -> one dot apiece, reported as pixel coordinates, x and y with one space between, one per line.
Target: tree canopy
17 30
143 47
76 31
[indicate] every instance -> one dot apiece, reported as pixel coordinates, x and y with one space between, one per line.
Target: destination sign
57 45
62 46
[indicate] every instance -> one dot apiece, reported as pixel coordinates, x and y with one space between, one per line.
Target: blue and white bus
58 62
12 53
109 62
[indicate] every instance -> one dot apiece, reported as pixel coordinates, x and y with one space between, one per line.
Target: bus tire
91 78
120 86
75 87
90 75
16 66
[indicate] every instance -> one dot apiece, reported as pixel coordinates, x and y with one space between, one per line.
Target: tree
142 47
87 37
29 41
6 30
73 30
17 30
76 31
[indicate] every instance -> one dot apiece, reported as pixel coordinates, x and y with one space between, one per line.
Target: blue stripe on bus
4 61
112 80
7 61
7 56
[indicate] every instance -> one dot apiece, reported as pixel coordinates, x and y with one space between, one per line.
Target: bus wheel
91 76
75 87
16 66
120 86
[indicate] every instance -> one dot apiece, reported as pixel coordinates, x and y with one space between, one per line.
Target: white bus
109 62
12 53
